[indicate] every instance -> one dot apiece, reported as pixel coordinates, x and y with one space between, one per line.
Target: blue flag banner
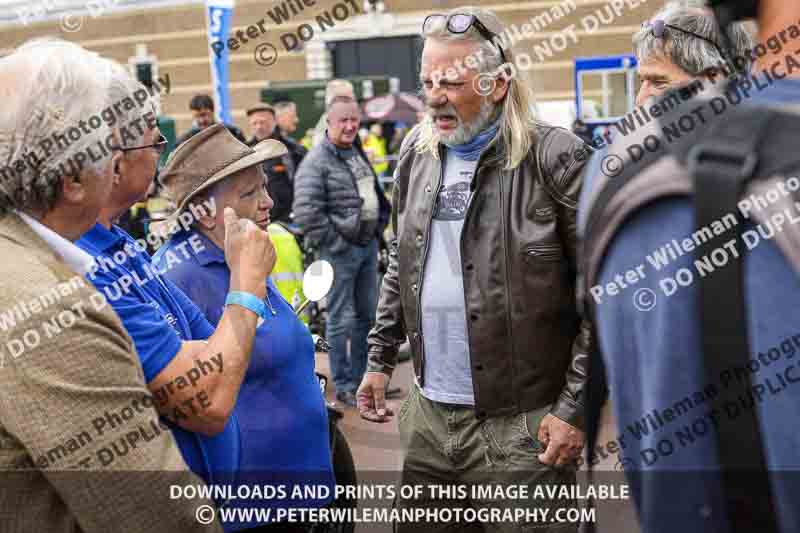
219 14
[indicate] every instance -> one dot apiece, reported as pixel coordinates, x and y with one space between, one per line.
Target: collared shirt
80 261
159 318
280 409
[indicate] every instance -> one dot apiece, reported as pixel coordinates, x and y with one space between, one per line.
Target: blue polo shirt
159 318
280 409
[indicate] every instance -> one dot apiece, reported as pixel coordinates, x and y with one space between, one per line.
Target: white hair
692 55
338 87
517 123
286 106
63 107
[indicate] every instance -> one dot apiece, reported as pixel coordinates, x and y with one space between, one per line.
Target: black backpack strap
720 165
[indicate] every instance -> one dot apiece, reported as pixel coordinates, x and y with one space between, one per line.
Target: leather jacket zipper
543 252
509 327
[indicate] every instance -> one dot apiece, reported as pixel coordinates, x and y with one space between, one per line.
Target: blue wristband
248 301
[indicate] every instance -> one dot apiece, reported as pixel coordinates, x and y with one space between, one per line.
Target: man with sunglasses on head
482 281
703 377
680 43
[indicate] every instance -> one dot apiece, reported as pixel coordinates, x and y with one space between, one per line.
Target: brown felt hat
208 158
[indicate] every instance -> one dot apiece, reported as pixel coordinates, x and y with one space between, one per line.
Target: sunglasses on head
659 29
460 23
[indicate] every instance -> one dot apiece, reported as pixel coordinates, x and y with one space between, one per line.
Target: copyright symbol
266 54
484 84
644 299
612 166
205 514
71 23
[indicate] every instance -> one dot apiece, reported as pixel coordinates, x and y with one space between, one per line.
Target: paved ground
378 457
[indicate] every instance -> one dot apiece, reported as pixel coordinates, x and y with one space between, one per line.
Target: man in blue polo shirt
281 412
193 370
653 354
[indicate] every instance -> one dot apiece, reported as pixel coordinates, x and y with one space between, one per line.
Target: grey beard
464 133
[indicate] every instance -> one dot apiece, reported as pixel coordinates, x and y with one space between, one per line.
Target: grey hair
692 55
338 87
52 88
517 132
283 107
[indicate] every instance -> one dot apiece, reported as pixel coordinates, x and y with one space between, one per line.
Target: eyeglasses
460 23
658 28
160 146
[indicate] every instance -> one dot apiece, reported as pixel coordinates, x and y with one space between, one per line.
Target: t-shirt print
453 200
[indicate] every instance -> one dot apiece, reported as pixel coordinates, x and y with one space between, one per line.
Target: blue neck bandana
471 150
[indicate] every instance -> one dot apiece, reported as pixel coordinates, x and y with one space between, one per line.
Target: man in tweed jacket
81 445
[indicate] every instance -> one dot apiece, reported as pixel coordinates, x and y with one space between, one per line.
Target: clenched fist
249 253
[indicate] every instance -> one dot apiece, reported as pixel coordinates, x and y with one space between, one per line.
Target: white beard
464 133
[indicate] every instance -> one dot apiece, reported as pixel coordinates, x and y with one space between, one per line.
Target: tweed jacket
81 445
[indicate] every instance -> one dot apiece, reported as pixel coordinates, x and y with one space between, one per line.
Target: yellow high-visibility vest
378 148
288 272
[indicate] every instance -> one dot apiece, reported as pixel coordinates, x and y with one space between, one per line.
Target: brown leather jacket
527 344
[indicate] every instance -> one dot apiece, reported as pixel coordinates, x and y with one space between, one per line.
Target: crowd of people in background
279 121
499 220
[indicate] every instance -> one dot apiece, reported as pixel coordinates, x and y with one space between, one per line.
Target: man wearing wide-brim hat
281 412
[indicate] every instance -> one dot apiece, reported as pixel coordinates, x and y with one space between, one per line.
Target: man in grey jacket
341 208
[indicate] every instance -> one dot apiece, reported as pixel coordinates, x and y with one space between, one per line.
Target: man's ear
502 84
116 161
73 189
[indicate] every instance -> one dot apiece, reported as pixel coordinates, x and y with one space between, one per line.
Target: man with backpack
690 255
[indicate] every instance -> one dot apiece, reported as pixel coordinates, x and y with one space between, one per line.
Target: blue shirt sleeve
157 343
201 328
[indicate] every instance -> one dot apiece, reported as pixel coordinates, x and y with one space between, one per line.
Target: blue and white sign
219 14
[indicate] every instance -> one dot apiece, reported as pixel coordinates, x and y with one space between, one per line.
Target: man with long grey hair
481 279
83 449
682 42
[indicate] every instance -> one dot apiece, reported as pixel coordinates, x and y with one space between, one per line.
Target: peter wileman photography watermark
771 372
266 54
115 433
486 82
71 21
645 299
70 134
21 336
746 86
502 494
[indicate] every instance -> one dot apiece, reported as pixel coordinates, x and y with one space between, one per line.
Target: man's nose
436 96
645 92
266 200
